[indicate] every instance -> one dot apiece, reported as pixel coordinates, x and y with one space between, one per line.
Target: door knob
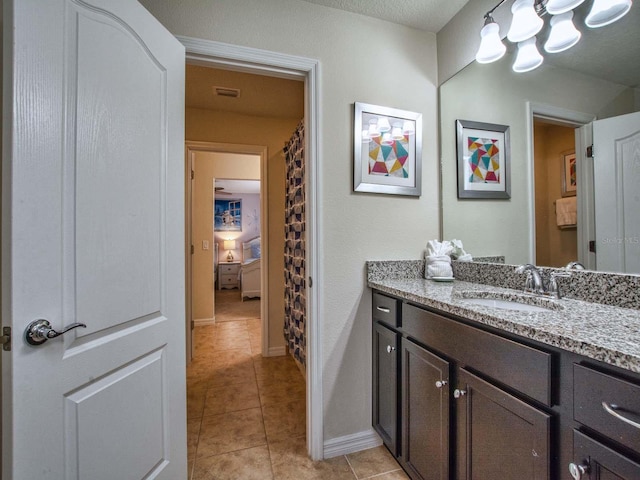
39 331
577 471
390 348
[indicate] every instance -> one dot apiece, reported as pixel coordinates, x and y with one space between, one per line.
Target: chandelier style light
527 22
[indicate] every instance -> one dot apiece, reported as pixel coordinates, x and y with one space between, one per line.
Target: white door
616 144
93 232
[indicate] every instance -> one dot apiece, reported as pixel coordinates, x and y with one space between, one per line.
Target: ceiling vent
226 92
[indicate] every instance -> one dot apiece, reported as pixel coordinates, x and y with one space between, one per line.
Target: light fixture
383 124
229 245
366 138
396 132
374 131
525 22
491 46
386 139
563 35
604 12
408 127
528 57
556 7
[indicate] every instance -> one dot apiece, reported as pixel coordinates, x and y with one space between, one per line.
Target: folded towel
566 211
458 252
438 266
436 248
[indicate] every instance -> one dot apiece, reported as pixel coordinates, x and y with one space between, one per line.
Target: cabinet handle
441 383
611 409
384 309
459 393
390 348
577 471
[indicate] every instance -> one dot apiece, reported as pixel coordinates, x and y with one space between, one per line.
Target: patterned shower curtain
295 308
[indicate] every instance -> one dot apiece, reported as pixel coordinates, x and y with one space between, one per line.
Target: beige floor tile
276 370
195 402
193 432
249 464
278 393
232 374
231 398
232 357
289 461
228 432
229 342
395 475
373 461
284 420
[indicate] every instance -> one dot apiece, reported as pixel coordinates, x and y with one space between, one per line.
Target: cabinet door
498 436
600 462
425 413
385 385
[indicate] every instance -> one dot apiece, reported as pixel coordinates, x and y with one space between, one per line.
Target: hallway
246 413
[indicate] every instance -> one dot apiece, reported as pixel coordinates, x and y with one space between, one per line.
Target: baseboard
277 351
198 322
351 443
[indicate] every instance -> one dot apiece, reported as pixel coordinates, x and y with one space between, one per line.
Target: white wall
365 60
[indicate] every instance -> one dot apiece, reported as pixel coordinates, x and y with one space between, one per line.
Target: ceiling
428 15
238 186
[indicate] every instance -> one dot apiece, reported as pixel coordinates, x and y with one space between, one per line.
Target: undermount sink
509 301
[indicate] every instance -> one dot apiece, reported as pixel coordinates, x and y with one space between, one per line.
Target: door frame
586 216
191 148
275 64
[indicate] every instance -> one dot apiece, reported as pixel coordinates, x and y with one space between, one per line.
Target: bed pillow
255 248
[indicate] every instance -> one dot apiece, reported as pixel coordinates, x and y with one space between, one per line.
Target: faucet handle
553 289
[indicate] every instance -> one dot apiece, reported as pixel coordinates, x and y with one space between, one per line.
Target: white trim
199 322
560 116
355 442
252 60
276 351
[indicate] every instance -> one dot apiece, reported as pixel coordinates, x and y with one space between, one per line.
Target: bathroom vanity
470 391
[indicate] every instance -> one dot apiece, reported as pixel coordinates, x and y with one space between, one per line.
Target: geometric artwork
483 160
569 179
389 160
227 215
387 150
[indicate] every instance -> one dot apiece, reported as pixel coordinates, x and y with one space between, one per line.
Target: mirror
598 78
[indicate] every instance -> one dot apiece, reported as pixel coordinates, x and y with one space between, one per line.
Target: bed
250 276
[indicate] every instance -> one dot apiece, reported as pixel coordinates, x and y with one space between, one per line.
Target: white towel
436 248
566 211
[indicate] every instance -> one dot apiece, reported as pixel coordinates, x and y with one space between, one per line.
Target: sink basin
509 301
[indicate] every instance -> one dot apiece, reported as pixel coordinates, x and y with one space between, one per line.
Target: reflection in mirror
525 228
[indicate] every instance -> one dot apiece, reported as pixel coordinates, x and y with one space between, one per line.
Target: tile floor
246 413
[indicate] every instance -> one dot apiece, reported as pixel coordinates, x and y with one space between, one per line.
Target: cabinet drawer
385 309
602 462
228 279
594 392
228 269
519 366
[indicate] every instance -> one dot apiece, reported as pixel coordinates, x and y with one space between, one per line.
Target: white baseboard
277 351
351 443
198 322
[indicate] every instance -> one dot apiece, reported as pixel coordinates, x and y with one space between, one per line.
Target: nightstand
228 275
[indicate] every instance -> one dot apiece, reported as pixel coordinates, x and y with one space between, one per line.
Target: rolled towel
438 266
458 252
465 258
436 248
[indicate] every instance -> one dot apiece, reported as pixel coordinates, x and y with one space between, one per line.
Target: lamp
408 127
564 34
229 245
396 132
604 12
527 22
366 138
386 139
383 124
528 57
374 131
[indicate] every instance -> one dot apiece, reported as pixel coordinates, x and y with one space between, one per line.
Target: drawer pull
611 409
390 348
457 393
384 309
577 471
441 383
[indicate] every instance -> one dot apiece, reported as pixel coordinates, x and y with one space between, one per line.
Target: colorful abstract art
569 179
389 160
484 160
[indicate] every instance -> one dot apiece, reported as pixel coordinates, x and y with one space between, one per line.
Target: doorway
214 54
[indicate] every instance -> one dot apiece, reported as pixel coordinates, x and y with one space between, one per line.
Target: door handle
39 331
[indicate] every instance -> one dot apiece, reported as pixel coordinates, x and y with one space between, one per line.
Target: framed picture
227 215
387 150
483 160
569 183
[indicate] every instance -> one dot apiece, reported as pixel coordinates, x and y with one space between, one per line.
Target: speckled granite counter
602 332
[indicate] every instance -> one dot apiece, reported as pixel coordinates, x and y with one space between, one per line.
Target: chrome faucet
574 266
533 282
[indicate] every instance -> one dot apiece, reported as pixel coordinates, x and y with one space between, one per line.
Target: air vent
226 92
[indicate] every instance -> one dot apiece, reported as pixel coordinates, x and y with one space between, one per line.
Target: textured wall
365 60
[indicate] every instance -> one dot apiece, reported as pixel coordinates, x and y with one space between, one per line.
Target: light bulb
408 127
564 34
374 132
396 132
525 23
386 139
383 124
528 57
604 12
366 138
491 46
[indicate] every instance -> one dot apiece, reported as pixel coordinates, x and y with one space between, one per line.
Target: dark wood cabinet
498 435
595 461
425 413
385 385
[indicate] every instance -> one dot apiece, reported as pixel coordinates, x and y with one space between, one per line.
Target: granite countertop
602 332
